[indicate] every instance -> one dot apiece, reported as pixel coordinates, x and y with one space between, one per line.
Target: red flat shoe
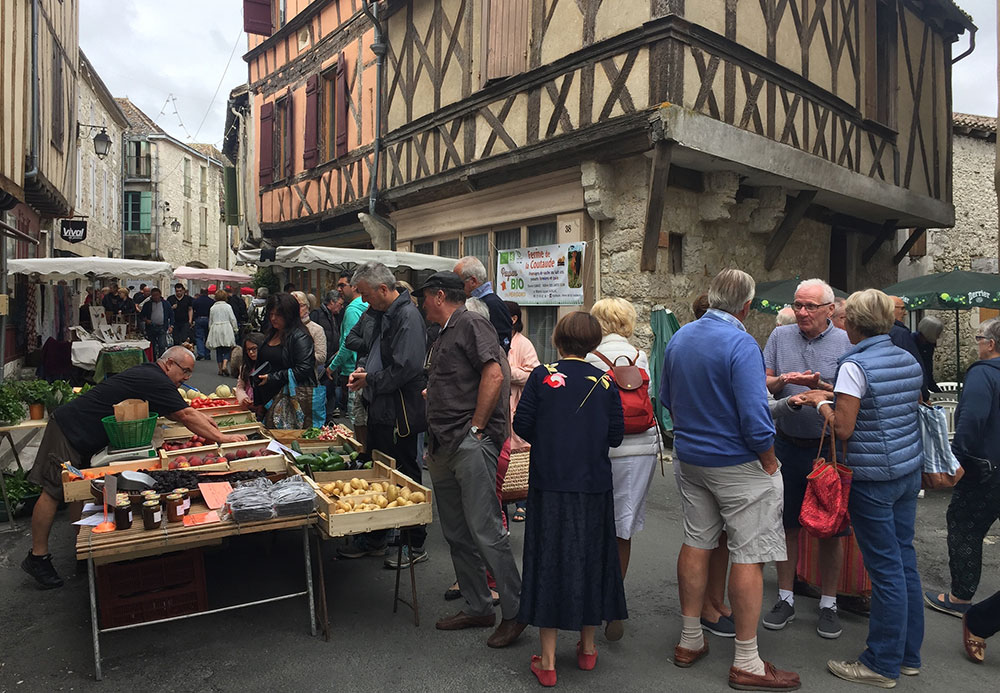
546 677
583 660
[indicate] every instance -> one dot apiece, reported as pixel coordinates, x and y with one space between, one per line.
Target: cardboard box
131 410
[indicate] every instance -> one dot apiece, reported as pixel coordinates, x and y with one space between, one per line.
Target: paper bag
132 410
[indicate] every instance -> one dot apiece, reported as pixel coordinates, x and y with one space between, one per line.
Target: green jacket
344 360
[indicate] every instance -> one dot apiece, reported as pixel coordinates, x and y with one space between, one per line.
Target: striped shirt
788 350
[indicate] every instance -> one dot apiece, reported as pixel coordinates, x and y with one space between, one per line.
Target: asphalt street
45 640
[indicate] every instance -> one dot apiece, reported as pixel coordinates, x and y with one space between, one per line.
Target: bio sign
546 275
73 230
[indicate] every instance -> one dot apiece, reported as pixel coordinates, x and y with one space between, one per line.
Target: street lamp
175 226
102 141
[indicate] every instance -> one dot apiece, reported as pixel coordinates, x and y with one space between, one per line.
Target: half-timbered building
312 95
675 137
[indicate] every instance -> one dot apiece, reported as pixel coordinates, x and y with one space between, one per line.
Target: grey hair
477 306
262 292
471 266
931 328
331 296
730 290
828 295
786 316
991 330
374 274
174 353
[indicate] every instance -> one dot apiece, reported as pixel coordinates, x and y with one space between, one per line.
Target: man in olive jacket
391 382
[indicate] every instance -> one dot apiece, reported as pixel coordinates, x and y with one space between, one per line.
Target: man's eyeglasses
809 307
186 371
981 337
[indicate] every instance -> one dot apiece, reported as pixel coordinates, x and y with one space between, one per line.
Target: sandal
518 515
975 647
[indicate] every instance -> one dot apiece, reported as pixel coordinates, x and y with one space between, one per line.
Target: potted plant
12 409
60 392
21 493
34 393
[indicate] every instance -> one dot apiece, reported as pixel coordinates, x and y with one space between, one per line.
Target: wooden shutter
266 150
257 17
232 197
310 150
341 106
507 30
288 153
145 211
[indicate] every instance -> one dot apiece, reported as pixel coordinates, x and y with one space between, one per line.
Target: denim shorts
743 499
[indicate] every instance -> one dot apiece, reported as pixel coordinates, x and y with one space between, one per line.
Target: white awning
324 257
70 268
211 274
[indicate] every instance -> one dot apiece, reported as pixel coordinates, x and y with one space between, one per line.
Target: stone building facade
98 180
971 244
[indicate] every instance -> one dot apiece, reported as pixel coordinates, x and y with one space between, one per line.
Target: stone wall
708 247
970 245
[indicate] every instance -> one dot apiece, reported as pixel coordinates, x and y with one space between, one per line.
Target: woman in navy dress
571 414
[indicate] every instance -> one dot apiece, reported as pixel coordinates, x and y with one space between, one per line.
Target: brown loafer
774 679
506 632
975 647
463 620
684 657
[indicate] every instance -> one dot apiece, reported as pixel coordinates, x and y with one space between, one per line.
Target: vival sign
546 275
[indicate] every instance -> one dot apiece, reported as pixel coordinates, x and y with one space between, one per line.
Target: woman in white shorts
634 461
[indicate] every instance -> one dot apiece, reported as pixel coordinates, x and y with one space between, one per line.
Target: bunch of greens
12 409
311 433
19 488
60 392
32 391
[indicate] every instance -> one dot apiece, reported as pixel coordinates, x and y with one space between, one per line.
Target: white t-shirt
851 380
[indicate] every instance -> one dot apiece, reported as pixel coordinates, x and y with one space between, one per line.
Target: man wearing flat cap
468 396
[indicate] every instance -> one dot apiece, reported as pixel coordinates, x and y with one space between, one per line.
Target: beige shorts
46 470
741 499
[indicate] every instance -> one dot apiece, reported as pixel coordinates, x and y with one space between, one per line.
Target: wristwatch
475 430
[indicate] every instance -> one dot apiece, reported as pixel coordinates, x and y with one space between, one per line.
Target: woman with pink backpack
634 461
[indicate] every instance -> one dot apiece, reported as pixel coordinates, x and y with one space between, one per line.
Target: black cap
442 280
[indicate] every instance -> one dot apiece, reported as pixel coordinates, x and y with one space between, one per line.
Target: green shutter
145 212
232 198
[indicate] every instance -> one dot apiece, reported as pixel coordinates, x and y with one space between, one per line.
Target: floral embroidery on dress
555 379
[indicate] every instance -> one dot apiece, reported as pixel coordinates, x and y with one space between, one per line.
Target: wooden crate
200 451
288 436
77 489
273 462
334 525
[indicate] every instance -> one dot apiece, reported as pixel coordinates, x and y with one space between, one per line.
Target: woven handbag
515 483
824 508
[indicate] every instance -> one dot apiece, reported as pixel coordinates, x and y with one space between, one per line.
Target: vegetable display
360 495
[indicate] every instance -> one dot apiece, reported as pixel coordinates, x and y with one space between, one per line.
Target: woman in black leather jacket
287 347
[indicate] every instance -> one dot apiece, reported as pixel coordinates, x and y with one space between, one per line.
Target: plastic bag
250 503
293 496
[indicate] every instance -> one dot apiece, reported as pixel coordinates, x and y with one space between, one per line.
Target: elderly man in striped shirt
801 357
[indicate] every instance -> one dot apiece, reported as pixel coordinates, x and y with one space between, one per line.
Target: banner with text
546 275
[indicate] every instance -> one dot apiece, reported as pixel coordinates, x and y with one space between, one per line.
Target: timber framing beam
659 172
888 231
793 215
915 236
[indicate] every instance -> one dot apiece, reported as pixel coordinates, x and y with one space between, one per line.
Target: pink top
522 359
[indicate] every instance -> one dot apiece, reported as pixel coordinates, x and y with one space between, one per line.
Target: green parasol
956 290
773 296
664 324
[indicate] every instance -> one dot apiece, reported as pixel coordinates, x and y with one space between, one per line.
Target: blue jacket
714 385
977 419
886 443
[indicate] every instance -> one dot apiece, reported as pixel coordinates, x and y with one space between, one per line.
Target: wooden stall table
136 542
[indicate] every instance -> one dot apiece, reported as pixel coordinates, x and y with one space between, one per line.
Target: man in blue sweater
714 386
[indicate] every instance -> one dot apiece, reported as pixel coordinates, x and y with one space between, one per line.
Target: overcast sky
149 49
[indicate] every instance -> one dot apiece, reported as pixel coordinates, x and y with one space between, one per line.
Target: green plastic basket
130 434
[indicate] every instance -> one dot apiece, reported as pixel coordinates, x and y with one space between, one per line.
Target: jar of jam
186 497
136 500
123 513
175 507
151 514
153 496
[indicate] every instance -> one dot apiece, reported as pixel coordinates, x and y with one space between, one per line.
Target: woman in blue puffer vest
877 394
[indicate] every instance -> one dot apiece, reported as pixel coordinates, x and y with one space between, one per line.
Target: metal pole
93 620
309 580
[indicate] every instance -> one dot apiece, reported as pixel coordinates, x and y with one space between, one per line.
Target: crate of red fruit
205 457
252 455
184 443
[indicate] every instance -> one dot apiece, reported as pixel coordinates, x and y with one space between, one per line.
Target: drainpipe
32 172
379 49
972 46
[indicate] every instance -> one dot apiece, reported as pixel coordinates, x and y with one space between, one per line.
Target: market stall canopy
955 290
211 274
324 257
69 268
773 296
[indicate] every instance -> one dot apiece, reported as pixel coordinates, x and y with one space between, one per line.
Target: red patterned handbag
824 509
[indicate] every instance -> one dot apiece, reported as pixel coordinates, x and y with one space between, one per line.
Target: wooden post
915 236
659 170
888 229
796 210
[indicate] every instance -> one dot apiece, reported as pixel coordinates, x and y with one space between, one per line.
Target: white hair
471 266
174 353
828 295
730 290
478 306
785 316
